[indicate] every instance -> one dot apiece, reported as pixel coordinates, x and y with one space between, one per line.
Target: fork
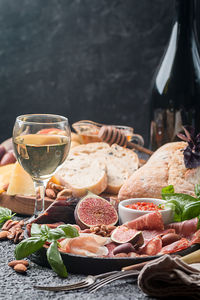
121 274
88 281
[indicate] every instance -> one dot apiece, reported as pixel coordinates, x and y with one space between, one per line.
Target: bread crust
165 167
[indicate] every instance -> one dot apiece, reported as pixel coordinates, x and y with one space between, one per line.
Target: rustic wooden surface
21 204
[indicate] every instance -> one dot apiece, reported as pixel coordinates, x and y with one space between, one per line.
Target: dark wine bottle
175 94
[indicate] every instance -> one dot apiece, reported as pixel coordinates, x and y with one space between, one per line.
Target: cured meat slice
150 234
176 246
87 244
111 246
186 228
153 247
195 238
151 221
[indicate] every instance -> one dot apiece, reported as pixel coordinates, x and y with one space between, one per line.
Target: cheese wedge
21 182
5 175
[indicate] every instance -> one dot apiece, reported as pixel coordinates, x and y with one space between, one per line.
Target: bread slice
120 162
165 167
82 174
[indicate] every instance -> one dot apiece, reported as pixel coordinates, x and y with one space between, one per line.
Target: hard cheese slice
21 182
5 175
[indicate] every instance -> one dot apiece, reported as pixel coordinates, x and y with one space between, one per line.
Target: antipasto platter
90 231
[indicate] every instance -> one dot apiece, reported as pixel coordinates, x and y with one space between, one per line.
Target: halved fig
122 235
93 210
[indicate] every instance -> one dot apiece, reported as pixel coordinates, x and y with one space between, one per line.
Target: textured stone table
18 286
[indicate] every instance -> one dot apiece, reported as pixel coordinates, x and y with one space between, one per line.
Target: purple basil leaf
192 151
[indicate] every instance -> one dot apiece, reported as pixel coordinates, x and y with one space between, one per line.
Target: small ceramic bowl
128 214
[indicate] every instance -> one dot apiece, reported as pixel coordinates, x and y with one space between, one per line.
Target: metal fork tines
88 281
119 275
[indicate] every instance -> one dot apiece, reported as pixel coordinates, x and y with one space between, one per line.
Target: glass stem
40 187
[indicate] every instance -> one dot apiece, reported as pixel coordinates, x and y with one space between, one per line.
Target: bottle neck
184 17
184 11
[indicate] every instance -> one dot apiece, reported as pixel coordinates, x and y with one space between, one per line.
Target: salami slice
176 246
195 238
152 247
186 228
151 221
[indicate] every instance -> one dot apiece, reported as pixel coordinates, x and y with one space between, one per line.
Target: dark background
84 59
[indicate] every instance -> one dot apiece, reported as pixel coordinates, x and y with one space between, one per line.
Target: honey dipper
112 135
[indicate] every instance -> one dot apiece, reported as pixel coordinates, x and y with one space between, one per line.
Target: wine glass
41 144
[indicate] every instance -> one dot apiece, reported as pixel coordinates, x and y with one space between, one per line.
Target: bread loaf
165 167
120 163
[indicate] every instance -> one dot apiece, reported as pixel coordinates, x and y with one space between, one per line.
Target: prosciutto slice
86 244
152 221
186 228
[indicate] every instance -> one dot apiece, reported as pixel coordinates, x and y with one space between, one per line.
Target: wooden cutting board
25 205
21 204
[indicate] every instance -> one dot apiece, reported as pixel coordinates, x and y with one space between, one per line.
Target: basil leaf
5 214
176 208
56 234
45 229
191 210
70 231
197 190
168 189
35 230
28 246
55 260
183 199
198 224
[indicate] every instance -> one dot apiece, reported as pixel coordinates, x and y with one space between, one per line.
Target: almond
13 263
10 224
3 235
20 268
6 224
50 193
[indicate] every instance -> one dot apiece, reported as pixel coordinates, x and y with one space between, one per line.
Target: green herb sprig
40 234
185 207
5 214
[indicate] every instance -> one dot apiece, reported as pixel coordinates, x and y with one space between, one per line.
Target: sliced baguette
82 174
120 162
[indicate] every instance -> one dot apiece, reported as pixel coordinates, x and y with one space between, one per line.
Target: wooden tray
21 204
25 205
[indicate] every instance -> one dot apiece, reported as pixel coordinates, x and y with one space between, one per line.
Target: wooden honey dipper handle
112 135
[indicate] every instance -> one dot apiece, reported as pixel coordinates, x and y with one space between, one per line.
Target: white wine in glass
41 143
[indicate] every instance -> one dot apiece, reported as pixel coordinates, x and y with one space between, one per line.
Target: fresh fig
124 248
2 151
123 234
93 210
7 144
8 158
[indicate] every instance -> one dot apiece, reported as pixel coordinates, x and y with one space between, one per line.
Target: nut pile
103 230
12 230
20 266
56 191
